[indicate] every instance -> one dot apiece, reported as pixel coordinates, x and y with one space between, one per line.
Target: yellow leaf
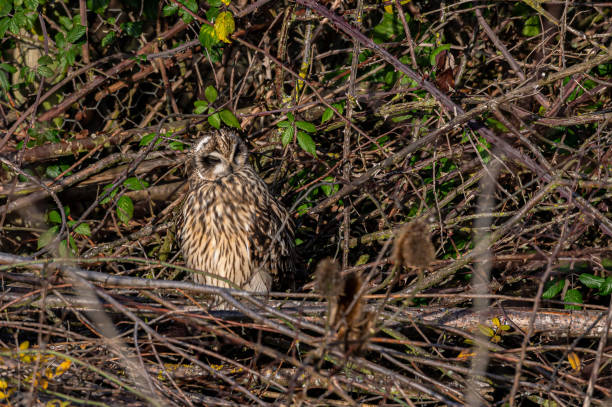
465 354
6 394
574 360
486 330
226 2
389 9
61 369
224 26
23 356
3 384
496 322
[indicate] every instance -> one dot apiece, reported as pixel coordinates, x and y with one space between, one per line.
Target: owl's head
219 154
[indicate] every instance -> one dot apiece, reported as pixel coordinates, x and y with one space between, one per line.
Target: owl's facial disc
219 155
212 165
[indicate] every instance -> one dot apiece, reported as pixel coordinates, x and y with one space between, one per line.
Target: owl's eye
210 161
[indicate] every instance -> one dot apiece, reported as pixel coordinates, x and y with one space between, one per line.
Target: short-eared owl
232 226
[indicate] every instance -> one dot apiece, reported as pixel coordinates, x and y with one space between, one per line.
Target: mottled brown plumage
231 226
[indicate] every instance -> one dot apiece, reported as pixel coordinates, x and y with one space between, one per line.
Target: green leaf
13 24
46 237
20 19
435 52
64 251
4 25
72 244
125 209
73 52
45 60
389 27
97 6
306 142
110 196
148 138
591 281
54 217
309 127
200 106
4 82
553 289
5 8
135 184
291 117
83 229
44 70
66 22
329 189
176 146
606 287
77 32
327 114
303 208
287 136
229 119
573 295
215 120
284 124
53 171
532 27
31 4
133 28
207 36
60 41
212 13
192 5
210 93
497 125
339 107
185 16
108 39
170 10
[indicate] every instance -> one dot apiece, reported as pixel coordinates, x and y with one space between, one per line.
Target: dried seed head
351 314
354 325
328 279
413 247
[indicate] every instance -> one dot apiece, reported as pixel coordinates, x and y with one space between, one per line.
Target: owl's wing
272 246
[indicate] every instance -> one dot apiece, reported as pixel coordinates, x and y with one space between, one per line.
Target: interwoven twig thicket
488 123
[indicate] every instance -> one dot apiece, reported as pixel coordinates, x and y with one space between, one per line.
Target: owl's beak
223 169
